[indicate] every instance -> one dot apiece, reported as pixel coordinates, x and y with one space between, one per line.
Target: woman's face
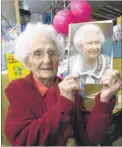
92 45
44 58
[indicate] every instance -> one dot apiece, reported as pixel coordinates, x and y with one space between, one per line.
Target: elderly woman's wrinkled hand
111 82
69 86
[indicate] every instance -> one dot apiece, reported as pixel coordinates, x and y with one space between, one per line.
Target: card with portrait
90 50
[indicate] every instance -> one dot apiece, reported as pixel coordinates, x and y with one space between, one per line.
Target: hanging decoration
62 20
80 11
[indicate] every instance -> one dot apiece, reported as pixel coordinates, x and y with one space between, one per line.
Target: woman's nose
94 45
46 58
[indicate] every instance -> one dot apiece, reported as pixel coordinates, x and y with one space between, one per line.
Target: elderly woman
90 64
45 110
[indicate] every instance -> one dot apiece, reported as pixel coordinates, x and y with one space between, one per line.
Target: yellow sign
15 69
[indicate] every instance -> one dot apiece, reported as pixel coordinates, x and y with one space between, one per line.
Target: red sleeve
22 129
98 121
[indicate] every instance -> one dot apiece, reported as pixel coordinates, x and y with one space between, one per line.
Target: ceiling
101 10
42 6
37 6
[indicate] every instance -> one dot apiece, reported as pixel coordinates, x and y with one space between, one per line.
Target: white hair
79 35
23 43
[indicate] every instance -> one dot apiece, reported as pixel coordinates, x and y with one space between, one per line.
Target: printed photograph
90 50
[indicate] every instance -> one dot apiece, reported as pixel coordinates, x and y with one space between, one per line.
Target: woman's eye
97 42
89 43
52 53
37 54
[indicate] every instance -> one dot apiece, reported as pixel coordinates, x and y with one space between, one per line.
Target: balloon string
68 6
64 4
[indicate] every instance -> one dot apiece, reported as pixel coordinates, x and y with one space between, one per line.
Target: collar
42 88
98 71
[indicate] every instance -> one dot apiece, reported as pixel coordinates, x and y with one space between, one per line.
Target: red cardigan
30 123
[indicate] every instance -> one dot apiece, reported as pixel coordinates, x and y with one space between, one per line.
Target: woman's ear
28 63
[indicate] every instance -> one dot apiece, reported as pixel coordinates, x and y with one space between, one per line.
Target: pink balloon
81 11
62 20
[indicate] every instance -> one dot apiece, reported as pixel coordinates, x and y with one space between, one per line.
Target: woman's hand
111 82
69 86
